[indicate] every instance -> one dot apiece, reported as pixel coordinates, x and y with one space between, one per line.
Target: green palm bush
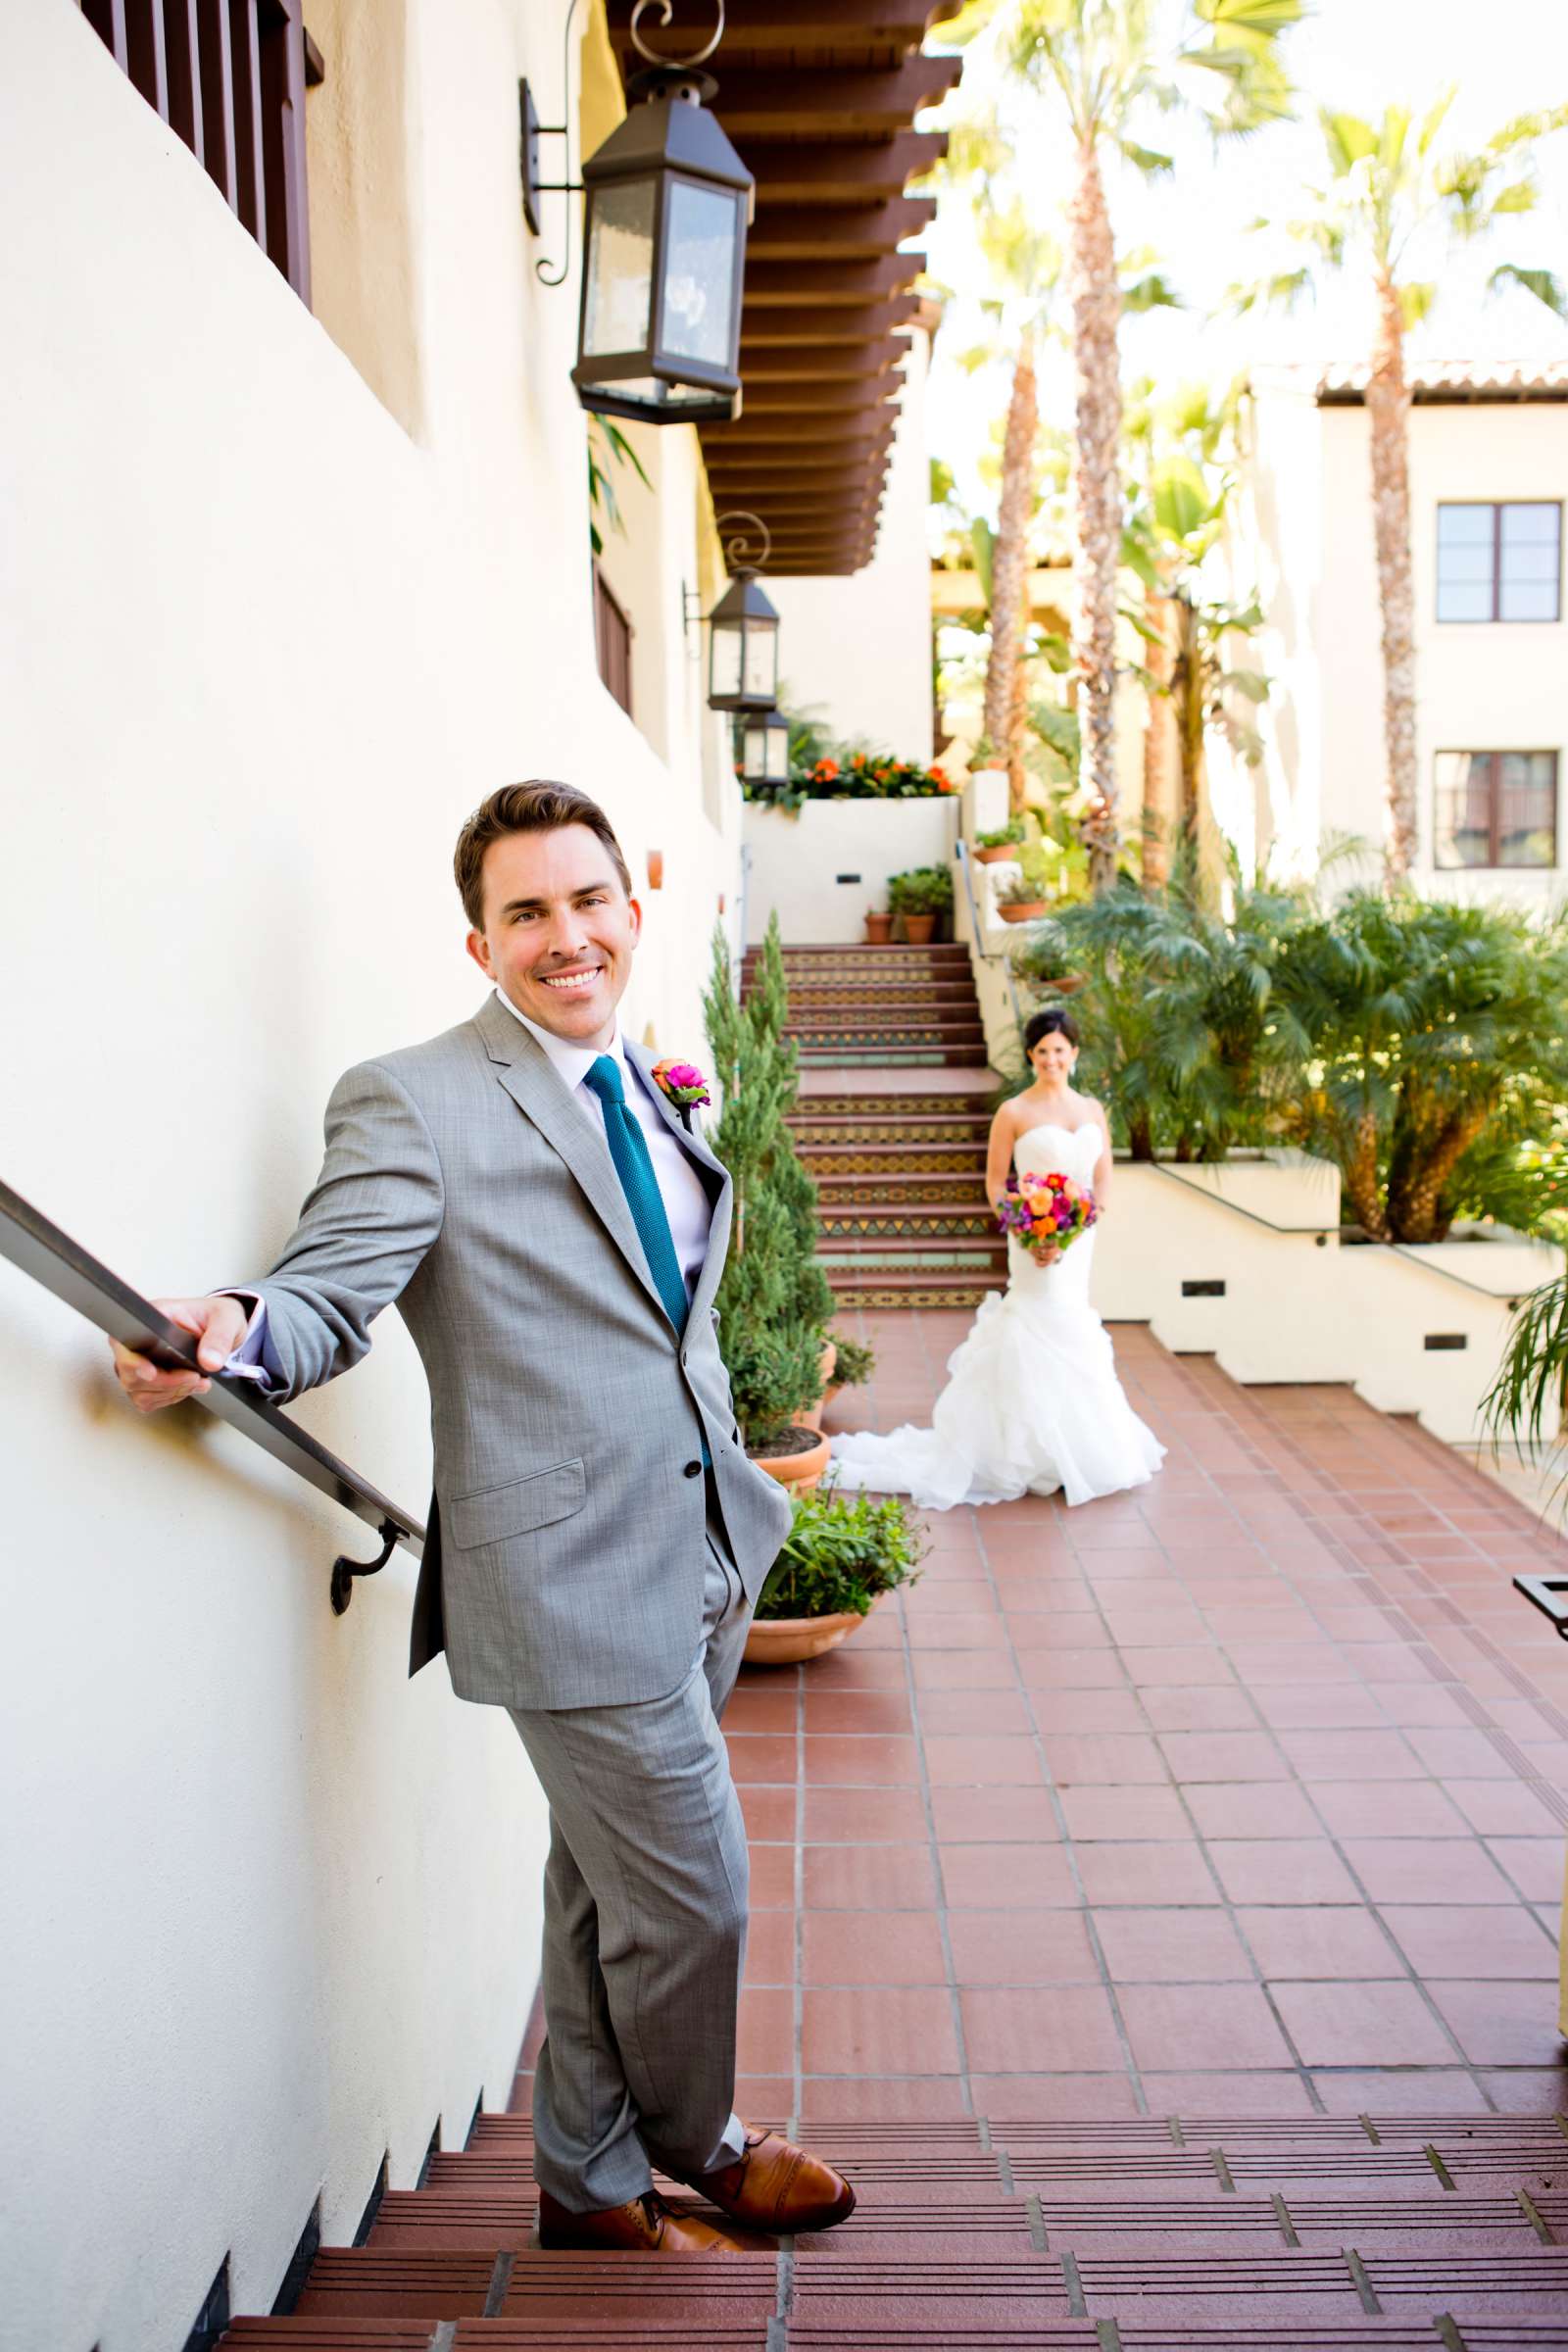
1437 1049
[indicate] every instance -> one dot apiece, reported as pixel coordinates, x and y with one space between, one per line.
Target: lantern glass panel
702 226
724 659
621 266
762 660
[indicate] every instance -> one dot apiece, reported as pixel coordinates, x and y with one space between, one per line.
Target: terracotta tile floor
1243 1793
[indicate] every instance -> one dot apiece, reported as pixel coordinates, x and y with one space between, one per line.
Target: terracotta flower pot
802 1468
918 928
790 1641
1024 910
878 930
995 854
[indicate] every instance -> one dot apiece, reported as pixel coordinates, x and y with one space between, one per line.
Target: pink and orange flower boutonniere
684 1085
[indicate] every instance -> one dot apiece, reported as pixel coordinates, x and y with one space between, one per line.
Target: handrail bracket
345 1570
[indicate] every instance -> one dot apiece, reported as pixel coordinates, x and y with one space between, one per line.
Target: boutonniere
684 1085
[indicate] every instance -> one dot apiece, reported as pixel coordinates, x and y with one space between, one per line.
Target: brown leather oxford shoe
776 2186
646 2225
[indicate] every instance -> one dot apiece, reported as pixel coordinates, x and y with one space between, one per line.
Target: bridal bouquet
1045 1211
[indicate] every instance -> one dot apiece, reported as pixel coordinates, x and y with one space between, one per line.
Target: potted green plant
920 895
1023 900
1003 842
842 1553
854 1362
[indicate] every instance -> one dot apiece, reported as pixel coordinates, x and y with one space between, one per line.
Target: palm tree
1023 266
1179 493
1392 201
1104 66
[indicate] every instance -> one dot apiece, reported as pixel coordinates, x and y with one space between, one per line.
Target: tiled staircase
894 1112
1217 2235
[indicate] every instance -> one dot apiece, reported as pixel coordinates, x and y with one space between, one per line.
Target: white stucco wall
1299 1304
273 1909
795 863
1492 686
856 652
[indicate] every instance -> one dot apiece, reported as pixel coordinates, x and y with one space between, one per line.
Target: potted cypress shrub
838 1559
774 1301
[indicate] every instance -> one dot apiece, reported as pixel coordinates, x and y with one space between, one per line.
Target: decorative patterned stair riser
900 1171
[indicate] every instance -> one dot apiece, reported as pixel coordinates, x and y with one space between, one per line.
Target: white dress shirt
680 1187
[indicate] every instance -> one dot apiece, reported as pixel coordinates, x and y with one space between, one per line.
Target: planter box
795 863
1244 1262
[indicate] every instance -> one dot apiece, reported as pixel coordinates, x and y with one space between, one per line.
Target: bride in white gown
1032 1403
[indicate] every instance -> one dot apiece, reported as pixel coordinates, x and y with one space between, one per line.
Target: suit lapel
714 1175
524 1069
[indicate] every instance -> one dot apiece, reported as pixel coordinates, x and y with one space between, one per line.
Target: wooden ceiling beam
782 24
827 283
781 100
806 327
828 172
857 363
837 233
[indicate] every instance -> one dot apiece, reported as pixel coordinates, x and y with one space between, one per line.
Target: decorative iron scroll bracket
666 10
738 545
1550 1594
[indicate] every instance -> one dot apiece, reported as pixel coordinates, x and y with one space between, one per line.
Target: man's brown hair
536 807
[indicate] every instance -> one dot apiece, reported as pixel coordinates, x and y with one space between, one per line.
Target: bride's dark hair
1053 1022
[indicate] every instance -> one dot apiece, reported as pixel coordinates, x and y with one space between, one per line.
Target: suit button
694 1470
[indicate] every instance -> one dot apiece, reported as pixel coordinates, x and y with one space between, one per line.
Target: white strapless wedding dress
1032 1403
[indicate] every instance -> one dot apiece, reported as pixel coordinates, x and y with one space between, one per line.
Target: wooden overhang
820 97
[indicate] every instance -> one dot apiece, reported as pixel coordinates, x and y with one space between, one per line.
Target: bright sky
1507 58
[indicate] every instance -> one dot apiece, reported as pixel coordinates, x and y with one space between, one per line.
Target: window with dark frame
1496 809
1499 561
612 636
228 77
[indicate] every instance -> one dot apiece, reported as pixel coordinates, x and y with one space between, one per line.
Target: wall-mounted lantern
743 633
668 204
765 749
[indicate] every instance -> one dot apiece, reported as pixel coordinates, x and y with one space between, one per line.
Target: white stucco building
1488 477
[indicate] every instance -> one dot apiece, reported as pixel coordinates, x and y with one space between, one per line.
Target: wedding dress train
1032 1401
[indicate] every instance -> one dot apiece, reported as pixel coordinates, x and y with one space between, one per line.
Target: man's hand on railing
218 1323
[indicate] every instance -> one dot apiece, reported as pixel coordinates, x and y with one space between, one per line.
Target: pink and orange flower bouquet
1045 1211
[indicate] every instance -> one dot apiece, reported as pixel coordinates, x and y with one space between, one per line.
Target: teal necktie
634 1165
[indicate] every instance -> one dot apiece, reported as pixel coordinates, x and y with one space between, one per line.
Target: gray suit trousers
644 1924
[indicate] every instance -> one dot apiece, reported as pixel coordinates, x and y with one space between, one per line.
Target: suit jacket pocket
496 1512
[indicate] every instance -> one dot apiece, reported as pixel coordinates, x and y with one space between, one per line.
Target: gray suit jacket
565 1557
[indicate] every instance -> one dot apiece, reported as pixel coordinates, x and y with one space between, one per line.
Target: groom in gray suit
553 1232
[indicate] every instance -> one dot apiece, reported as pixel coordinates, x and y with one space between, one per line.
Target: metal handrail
1322 1232
1254 1216
65 1269
984 953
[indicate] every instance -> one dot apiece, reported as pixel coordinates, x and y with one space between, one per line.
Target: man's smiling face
559 931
